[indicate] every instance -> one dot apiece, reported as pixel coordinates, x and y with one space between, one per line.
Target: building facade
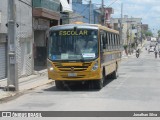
47 13
3 40
131 28
34 18
24 38
144 27
85 13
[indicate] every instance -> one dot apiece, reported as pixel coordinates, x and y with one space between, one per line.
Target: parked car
151 49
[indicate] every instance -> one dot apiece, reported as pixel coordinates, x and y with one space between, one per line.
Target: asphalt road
136 89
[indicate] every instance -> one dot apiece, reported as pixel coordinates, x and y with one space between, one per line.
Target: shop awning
65 6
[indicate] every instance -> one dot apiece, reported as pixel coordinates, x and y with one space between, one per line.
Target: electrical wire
25 3
112 3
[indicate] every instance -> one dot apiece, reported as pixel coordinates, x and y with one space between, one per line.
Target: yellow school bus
83 52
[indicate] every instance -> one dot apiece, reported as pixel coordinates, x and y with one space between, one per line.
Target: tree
125 48
158 33
148 33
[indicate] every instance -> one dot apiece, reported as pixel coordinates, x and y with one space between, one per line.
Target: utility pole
129 33
102 13
141 34
121 27
90 10
12 72
137 36
130 40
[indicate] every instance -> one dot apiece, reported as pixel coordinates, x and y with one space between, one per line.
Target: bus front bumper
74 75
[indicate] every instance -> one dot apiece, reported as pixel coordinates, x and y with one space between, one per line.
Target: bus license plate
72 74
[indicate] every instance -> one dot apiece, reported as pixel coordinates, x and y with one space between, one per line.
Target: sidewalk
25 83
124 56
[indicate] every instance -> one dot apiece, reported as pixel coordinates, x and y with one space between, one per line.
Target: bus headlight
50 67
95 66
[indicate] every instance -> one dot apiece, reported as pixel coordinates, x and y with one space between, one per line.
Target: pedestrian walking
156 52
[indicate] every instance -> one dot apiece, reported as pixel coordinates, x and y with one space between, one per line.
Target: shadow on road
78 86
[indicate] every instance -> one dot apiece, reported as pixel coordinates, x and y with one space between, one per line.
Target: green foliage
158 33
148 33
125 46
132 45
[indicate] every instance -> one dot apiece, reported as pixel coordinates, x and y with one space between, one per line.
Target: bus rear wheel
114 75
59 84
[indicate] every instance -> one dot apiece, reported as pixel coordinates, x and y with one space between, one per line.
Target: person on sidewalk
156 51
137 53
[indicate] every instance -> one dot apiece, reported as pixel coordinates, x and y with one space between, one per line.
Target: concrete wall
3 10
24 34
24 38
127 23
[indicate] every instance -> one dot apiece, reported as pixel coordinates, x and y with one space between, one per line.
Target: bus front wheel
59 84
98 84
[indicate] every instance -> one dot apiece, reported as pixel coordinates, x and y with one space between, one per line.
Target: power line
84 8
25 3
112 3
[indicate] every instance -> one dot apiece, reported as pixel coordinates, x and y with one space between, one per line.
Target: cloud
156 9
144 2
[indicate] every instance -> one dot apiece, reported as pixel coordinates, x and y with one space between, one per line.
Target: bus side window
111 41
107 41
103 43
118 46
116 41
101 46
113 38
119 42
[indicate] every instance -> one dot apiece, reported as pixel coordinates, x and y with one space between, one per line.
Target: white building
131 28
24 38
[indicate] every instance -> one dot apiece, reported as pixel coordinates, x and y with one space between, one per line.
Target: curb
15 95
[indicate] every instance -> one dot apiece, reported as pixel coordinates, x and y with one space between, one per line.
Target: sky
148 10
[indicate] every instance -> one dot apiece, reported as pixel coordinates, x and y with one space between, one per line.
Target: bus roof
83 25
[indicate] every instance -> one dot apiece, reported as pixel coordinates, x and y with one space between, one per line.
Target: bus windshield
77 45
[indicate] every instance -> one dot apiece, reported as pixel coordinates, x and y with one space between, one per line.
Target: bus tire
98 84
59 84
114 75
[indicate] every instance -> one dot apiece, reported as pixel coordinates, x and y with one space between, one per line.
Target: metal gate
3 61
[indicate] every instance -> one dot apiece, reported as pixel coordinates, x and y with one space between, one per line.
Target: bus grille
76 68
